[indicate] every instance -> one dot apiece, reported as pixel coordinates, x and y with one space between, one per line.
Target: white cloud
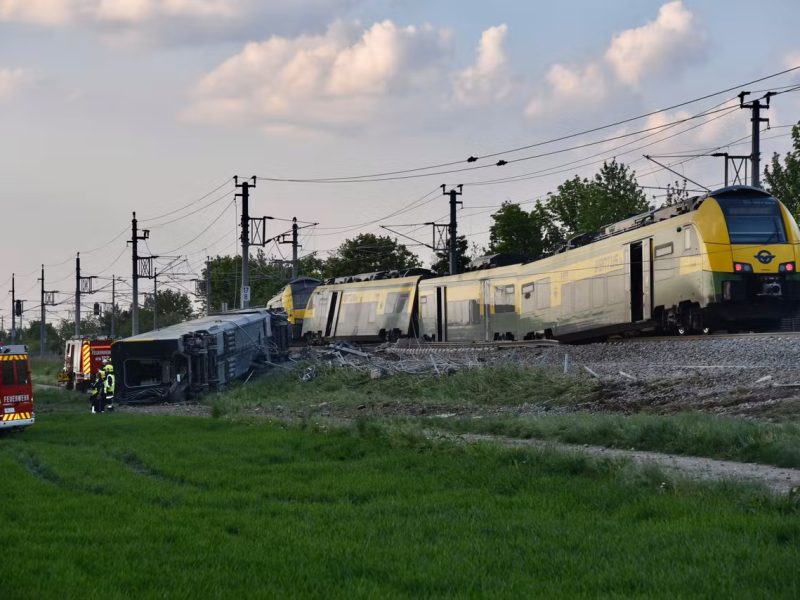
65 12
342 77
489 79
13 80
791 59
656 48
158 21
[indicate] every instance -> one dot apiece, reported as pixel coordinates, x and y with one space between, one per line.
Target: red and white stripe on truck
16 390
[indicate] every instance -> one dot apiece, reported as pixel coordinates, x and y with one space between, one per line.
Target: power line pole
113 305
77 294
453 193
208 285
134 242
294 249
155 300
245 237
47 299
756 119
13 310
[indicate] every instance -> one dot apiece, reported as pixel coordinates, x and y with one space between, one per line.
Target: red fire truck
16 391
83 357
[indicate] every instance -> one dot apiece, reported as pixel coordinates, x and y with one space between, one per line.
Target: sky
114 106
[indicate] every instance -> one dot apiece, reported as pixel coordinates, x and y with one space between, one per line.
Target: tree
676 192
172 306
583 205
783 179
442 264
367 253
531 235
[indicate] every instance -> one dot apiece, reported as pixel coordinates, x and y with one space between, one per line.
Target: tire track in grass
135 464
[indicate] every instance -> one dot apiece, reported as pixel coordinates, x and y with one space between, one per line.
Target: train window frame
663 250
528 289
502 294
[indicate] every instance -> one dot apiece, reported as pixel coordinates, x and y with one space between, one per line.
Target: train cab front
758 284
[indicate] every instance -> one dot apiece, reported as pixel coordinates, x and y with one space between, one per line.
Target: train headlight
787 267
742 267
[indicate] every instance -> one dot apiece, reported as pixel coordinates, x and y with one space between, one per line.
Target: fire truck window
8 372
22 371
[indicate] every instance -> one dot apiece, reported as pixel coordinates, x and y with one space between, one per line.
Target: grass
347 388
690 434
44 369
131 506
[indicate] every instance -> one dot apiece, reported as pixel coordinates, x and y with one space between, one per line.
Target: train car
726 260
473 306
370 307
292 299
183 361
16 390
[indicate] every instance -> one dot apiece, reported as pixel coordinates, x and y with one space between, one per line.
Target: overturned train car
183 361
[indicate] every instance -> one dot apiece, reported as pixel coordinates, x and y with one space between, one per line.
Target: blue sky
109 106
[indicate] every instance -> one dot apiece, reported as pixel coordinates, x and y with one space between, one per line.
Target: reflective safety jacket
109 385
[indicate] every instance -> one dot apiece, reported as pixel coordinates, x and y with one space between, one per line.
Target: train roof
211 324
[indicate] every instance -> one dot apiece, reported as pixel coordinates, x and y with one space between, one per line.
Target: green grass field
123 505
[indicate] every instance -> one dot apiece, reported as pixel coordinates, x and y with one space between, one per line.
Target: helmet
109 368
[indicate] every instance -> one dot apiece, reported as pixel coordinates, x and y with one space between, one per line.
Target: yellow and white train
726 260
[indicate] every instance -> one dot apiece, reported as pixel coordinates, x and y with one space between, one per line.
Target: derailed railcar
369 307
186 360
292 299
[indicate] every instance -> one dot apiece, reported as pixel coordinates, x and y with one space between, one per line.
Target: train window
8 372
663 250
752 220
527 291
22 371
504 299
396 302
689 239
543 294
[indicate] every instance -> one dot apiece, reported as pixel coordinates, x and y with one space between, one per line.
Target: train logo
764 257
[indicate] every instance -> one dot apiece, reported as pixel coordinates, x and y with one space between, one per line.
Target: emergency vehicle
83 357
16 391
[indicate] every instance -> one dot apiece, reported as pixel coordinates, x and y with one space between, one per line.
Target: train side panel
382 309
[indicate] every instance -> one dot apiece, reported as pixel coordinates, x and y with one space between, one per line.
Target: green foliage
367 253
132 506
783 178
690 434
532 235
442 264
583 205
577 206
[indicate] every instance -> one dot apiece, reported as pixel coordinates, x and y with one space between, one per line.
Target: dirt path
777 479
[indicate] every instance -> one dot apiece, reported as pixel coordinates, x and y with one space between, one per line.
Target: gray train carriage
363 308
476 306
185 360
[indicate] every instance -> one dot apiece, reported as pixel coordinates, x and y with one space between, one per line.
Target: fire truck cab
83 357
16 390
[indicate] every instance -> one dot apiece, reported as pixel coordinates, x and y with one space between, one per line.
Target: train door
639 279
333 309
441 313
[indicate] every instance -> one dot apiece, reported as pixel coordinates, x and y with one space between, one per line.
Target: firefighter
108 386
96 393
